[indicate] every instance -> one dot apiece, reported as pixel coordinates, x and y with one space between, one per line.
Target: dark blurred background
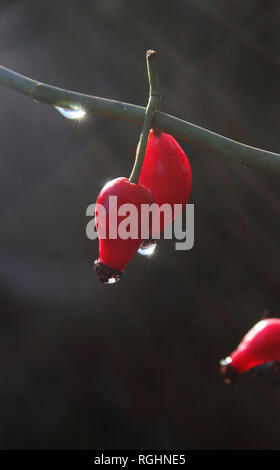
135 366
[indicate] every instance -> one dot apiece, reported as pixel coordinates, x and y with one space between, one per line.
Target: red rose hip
166 172
114 250
260 345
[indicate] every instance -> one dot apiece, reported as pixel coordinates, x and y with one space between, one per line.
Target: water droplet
226 361
112 280
74 113
147 248
229 374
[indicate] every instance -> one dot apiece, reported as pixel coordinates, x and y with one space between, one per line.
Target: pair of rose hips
260 346
165 178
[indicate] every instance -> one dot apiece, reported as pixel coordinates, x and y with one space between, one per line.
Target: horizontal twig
244 154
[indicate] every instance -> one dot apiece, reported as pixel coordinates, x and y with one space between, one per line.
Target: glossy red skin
260 345
166 171
116 253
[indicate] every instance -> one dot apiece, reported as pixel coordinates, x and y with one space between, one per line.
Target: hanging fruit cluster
162 175
165 178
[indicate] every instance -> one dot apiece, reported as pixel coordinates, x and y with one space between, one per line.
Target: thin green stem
151 110
210 141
